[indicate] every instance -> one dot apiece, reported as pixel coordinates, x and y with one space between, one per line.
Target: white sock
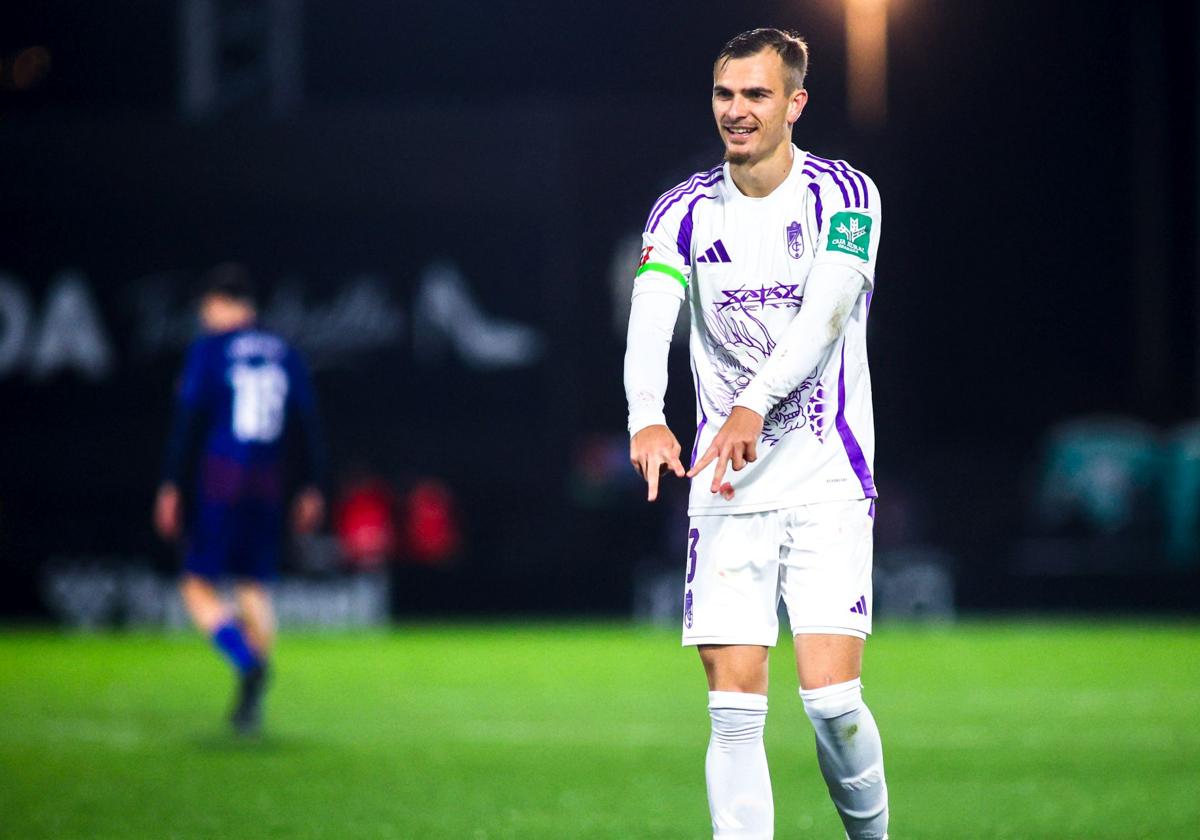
739 786
850 753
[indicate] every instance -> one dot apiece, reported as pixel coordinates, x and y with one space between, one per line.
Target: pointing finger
722 463
652 471
704 461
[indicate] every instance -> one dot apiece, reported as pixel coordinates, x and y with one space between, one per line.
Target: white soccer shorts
816 557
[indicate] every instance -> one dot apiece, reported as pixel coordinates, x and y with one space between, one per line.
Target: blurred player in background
774 253
241 390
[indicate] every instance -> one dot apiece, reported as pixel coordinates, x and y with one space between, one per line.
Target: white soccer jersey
742 264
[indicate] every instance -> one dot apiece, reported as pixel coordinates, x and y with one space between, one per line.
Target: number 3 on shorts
694 536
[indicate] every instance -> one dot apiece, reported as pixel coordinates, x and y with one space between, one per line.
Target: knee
739 684
252 595
737 717
195 590
203 603
832 701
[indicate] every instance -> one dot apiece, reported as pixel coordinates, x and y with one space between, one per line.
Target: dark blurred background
443 204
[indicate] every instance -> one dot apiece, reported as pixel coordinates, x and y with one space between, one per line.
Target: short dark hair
231 280
792 49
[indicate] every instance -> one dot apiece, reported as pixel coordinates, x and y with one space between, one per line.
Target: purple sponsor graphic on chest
795 240
773 296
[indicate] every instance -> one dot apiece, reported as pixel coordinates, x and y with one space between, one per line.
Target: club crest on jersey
687 609
850 233
795 240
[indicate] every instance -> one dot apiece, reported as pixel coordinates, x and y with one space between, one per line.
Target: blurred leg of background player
210 613
258 616
245 643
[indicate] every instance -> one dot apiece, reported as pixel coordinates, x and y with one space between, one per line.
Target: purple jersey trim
678 188
683 243
700 426
669 194
854 452
841 186
816 191
853 175
704 183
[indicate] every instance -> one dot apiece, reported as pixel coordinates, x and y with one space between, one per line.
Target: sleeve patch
850 233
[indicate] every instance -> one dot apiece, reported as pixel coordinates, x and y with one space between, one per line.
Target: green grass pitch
991 730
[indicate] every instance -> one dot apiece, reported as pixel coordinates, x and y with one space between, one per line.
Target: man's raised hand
736 444
650 451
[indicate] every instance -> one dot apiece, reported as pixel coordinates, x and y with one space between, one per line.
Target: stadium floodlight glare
866 62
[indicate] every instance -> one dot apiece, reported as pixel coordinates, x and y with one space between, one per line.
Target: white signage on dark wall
90 593
66 334
447 315
360 316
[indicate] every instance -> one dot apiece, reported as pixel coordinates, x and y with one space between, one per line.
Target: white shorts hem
832 631
731 639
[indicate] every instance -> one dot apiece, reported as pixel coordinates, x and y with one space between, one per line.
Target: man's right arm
659 287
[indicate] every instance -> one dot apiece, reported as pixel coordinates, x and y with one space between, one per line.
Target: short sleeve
847 209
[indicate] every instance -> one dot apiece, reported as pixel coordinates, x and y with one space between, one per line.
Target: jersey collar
799 156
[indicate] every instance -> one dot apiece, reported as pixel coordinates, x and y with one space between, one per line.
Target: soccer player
241 388
774 254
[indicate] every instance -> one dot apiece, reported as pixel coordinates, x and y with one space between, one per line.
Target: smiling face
755 103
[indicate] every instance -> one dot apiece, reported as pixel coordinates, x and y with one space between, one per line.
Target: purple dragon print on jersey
739 344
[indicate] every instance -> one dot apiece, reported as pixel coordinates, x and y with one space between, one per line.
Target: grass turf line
991 730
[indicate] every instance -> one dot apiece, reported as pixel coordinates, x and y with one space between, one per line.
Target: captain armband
663 268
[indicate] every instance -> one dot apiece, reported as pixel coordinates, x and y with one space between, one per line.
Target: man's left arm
846 216
829 298
308 509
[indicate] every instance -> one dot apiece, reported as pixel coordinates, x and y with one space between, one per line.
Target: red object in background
431 528
365 525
